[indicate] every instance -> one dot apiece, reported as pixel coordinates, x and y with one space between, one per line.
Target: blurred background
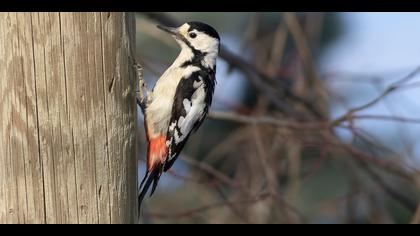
315 119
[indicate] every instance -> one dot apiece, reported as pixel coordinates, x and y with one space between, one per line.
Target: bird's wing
192 100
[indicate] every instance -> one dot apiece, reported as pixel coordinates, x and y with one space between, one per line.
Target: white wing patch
194 111
180 120
178 138
197 84
172 126
187 105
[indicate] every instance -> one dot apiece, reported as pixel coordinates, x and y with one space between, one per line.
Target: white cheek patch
204 42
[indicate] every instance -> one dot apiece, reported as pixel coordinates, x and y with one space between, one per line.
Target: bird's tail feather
156 154
153 177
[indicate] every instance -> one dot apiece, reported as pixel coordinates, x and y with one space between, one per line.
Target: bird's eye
192 35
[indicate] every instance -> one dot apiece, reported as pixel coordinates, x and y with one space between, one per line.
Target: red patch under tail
156 152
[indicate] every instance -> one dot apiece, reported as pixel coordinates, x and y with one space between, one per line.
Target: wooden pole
67 118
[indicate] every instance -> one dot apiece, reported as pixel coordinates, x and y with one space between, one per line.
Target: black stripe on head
205 28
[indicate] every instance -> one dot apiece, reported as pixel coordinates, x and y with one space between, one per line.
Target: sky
384 46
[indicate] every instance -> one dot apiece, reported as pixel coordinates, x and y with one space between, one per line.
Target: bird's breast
159 110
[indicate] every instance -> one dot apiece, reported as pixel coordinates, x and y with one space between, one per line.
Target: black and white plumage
192 101
180 99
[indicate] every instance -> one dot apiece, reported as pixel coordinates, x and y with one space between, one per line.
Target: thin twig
391 88
388 118
302 47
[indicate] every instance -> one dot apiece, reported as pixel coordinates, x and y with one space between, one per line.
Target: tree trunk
67 118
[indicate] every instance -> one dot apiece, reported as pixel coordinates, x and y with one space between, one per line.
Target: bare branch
302 47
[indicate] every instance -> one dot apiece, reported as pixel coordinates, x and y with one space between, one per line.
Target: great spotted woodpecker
180 99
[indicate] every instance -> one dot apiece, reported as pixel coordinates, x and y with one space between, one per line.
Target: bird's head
197 36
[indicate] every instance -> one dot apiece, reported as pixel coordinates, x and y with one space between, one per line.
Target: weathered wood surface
67 118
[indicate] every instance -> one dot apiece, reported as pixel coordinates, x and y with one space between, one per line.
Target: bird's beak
170 30
175 32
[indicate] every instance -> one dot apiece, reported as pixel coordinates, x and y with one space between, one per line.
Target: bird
180 99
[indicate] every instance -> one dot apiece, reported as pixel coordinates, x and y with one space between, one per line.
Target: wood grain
67 118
